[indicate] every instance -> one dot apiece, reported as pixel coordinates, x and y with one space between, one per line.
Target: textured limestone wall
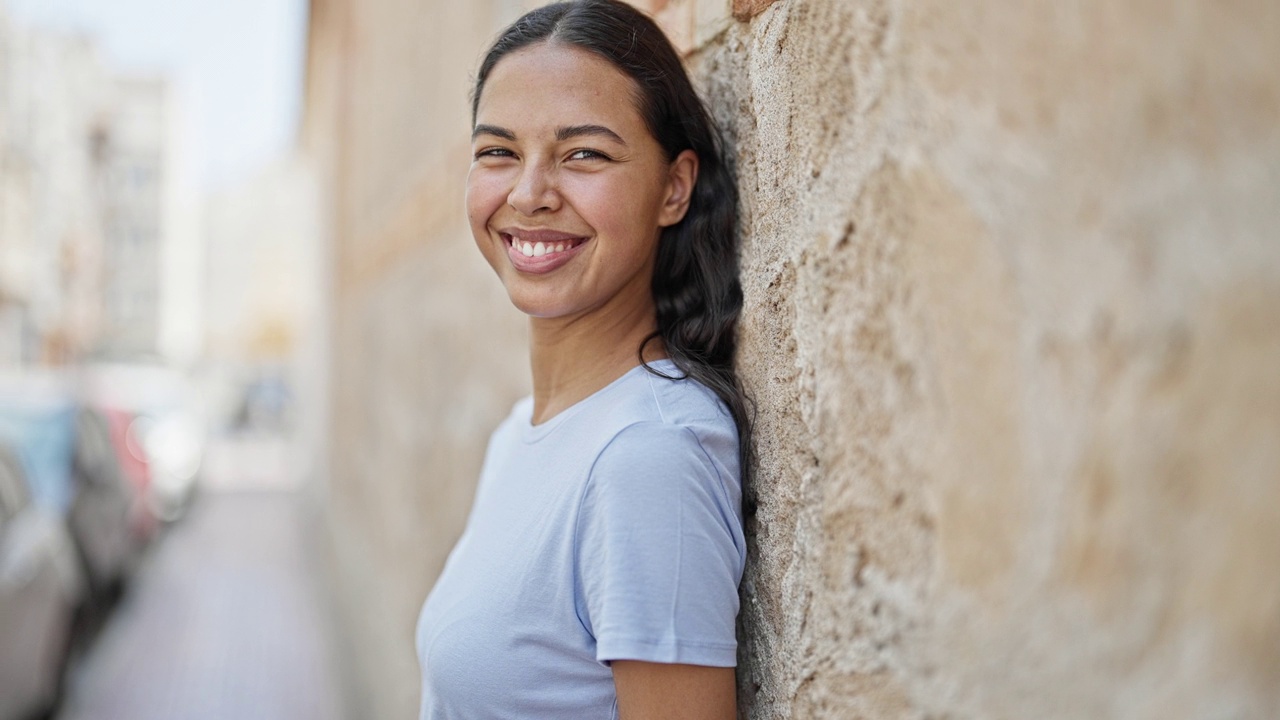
1013 279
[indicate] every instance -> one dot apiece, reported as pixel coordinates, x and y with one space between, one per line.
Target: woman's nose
534 191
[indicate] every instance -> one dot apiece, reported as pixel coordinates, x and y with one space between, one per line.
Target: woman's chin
537 307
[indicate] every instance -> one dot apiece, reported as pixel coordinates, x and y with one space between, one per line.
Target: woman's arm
662 691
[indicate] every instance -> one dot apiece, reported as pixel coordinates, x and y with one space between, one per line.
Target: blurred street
161 361
226 619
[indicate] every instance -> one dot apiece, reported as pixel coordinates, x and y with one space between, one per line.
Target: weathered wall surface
1012 279
1013 286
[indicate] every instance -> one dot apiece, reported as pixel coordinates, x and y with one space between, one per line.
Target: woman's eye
494 152
586 154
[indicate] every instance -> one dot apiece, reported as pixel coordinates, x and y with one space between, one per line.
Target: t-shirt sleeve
660 550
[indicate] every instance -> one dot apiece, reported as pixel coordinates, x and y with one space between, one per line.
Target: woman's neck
572 358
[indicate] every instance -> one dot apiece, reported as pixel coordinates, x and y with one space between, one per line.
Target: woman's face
568 191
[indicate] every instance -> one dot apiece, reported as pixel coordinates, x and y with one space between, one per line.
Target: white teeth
535 249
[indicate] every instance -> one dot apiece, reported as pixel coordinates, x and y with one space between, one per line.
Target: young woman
598 573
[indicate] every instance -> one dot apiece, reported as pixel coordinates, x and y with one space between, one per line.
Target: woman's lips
541 251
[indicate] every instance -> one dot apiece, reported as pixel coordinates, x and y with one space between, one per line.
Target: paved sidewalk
223 622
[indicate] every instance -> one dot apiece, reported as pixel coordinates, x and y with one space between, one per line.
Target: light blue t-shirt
611 532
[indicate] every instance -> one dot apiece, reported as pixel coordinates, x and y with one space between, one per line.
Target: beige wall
1012 281
426 351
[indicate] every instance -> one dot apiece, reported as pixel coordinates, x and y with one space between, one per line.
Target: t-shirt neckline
533 433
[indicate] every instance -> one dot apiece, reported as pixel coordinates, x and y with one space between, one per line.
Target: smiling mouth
539 248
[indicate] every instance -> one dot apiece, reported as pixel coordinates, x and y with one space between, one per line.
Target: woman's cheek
480 208
601 202
617 210
485 194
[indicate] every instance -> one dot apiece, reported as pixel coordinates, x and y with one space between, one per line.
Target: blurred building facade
81 202
1011 285
128 146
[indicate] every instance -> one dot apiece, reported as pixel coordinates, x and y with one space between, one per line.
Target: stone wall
1013 286
1012 279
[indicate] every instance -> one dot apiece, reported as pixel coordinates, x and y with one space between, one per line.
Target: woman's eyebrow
573 131
494 130
562 133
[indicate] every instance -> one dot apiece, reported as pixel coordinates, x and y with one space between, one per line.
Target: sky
237 68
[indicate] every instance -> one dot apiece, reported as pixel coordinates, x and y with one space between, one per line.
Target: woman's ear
682 175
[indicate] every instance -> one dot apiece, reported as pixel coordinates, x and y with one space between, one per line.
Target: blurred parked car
156 427
74 473
37 421
134 468
40 588
109 516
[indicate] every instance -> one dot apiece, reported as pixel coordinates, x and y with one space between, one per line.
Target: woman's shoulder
664 395
669 420
655 472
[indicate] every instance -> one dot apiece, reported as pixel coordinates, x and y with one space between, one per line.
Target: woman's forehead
557 83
